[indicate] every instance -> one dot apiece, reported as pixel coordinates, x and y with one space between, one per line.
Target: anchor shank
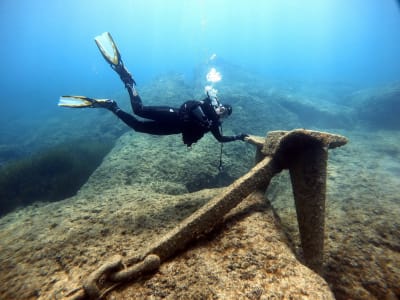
213 212
308 176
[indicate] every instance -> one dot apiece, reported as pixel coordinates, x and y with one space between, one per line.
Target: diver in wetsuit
193 119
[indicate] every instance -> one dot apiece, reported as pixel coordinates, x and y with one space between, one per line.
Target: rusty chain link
111 274
114 272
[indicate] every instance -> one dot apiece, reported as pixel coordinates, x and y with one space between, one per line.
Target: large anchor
303 152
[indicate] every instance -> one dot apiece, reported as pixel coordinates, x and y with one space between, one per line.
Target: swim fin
111 54
82 102
108 48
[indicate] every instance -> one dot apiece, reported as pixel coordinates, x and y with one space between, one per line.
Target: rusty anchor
303 152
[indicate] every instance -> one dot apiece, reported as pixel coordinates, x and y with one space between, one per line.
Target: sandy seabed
48 249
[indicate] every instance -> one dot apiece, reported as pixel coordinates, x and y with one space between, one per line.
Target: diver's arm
224 139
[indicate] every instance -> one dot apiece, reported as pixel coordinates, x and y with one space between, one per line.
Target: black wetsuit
164 120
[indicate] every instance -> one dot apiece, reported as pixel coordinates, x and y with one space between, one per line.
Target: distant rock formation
378 108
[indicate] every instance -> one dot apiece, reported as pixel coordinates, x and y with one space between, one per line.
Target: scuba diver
193 119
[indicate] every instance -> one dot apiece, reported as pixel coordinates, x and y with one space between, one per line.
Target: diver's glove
241 137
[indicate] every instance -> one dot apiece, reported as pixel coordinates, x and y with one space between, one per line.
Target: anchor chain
113 273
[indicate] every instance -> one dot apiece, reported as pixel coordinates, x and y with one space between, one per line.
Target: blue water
48 48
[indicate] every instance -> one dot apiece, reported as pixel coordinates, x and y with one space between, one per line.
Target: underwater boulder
9 152
171 89
163 164
378 108
313 113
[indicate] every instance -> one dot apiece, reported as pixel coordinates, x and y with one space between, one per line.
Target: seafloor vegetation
66 239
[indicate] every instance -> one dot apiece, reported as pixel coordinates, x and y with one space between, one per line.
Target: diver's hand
241 137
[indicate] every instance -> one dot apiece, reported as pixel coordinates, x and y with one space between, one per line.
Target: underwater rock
164 165
9 152
171 89
47 249
378 108
246 257
315 114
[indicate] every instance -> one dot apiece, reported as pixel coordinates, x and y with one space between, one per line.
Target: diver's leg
105 43
159 113
136 101
166 115
151 127
156 113
164 127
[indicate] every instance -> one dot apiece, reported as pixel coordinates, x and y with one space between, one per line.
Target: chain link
113 273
